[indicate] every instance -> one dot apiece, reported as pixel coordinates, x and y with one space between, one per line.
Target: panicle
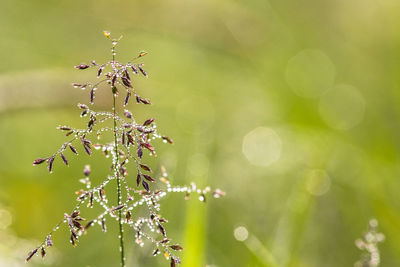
125 149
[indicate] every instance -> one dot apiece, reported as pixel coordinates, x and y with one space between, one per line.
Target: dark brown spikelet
130 139
134 70
74 235
73 149
91 200
50 164
145 185
173 263
148 178
87 149
148 146
99 71
82 66
118 207
147 131
128 216
128 96
126 74
75 214
143 71
38 161
176 247
140 152
145 101
88 225
123 138
169 140
103 225
126 82
101 194
127 114
86 145
145 167
64 158
31 254
87 170
162 220
77 85
84 113
155 252
138 179
162 230
142 100
92 96
140 129
64 128
148 122
91 122
77 224
165 240
113 79
83 106
43 252
49 242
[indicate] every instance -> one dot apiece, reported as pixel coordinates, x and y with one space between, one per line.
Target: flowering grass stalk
369 245
129 141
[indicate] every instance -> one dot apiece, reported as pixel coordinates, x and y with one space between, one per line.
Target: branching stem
132 136
116 171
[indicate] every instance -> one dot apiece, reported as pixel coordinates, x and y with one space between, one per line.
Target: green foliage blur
290 107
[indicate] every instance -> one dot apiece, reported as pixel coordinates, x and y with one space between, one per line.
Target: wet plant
369 245
127 142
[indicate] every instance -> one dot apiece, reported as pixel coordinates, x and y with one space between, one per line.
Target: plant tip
107 34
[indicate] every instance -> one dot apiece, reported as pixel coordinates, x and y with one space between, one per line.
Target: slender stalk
116 164
140 136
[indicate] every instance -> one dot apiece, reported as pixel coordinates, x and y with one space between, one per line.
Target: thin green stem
116 163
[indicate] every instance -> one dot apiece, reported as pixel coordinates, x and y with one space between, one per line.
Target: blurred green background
291 107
